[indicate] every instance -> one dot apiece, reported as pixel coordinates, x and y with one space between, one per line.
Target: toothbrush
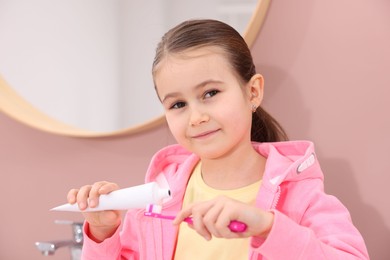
234 226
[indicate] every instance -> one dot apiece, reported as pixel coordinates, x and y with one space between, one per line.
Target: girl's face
207 109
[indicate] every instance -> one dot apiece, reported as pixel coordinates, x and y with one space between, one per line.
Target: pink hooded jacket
308 224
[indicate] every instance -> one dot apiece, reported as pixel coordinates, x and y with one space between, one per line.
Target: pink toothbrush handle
234 226
237 226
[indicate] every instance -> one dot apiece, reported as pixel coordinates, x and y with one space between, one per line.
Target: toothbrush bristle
153 208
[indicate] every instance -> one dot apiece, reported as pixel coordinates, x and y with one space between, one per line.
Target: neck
236 170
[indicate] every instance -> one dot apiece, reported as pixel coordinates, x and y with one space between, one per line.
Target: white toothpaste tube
123 199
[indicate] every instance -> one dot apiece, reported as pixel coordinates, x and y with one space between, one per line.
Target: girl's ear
256 89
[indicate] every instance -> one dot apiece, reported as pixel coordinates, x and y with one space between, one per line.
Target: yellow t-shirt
190 245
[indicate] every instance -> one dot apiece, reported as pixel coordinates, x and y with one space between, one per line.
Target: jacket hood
289 161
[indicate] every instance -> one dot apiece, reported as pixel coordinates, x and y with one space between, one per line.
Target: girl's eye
178 105
211 93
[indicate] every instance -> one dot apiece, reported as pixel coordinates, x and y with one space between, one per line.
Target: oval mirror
83 68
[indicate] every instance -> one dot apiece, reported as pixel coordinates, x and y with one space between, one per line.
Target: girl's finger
72 196
197 219
226 215
94 193
184 213
98 189
199 226
82 196
108 187
210 220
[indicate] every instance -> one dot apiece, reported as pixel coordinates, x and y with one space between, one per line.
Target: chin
209 154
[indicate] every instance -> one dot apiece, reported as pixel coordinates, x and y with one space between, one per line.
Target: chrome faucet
75 245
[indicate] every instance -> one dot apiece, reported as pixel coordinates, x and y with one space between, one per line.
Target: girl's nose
198 117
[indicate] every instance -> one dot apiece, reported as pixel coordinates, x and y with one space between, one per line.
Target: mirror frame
16 107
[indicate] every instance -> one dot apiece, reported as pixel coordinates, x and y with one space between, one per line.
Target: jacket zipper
142 253
276 198
275 202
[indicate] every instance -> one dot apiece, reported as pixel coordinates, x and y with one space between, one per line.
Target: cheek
176 126
239 119
236 110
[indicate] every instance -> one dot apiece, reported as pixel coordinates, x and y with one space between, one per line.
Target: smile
205 134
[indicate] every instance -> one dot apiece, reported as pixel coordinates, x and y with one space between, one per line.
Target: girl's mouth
205 134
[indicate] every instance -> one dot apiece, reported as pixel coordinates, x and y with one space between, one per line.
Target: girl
232 162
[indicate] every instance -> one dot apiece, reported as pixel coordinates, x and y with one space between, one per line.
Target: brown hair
206 32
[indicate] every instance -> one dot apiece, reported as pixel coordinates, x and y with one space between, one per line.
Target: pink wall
324 64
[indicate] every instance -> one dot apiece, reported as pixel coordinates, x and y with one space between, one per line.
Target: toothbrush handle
237 226
234 226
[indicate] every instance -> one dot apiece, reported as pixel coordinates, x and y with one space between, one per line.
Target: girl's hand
212 218
102 224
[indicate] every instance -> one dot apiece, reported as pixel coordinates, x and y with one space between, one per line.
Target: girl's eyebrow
196 87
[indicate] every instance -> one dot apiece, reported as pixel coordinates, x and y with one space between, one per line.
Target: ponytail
265 128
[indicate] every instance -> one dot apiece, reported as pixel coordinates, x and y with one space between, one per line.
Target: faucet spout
46 248
49 248
75 245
